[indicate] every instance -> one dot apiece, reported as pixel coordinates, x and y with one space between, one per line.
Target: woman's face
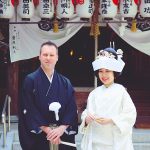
106 76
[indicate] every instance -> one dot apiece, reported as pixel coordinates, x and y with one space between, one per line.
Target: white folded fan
55 106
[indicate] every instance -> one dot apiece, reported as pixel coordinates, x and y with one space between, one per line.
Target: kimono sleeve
70 116
31 116
89 109
86 130
126 119
83 127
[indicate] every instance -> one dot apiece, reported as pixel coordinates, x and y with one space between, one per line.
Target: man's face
48 57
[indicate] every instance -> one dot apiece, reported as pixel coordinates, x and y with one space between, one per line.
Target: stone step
16 137
16 146
9 141
141 136
141 146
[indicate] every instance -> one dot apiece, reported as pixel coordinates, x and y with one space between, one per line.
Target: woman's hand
104 121
89 118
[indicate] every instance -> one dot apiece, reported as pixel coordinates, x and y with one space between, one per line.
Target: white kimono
113 102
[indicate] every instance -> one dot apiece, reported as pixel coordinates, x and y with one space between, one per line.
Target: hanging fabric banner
139 40
25 39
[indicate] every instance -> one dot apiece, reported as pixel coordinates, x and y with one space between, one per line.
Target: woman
110 114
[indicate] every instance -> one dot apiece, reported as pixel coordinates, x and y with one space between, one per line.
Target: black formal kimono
37 94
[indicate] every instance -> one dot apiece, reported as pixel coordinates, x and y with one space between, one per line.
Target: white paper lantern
128 8
145 8
108 8
6 9
65 9
46 8
86 9
26 9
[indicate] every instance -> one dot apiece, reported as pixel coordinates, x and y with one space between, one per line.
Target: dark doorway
75 59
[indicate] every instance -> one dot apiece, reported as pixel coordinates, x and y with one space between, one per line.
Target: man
48 112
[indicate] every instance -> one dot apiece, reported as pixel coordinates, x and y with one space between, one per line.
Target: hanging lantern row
145 8
25 8
128 8
108 8
46 9
6 8
67 8
85 8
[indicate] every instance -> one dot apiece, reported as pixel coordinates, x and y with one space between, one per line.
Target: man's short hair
49 43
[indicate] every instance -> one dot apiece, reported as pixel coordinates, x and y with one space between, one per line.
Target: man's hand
45 129
55 134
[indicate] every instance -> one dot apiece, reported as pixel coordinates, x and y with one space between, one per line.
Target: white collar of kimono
108 63
51 77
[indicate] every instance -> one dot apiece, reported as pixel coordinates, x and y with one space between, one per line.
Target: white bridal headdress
109 59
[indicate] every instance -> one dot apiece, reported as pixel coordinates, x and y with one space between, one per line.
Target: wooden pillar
13 70
96 50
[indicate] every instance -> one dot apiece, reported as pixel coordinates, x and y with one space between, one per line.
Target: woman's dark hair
96 73
117 74
111 50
